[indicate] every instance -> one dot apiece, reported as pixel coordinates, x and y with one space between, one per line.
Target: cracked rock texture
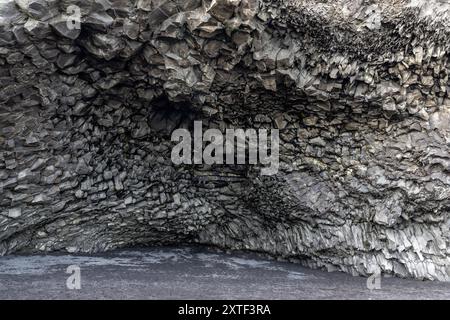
358 89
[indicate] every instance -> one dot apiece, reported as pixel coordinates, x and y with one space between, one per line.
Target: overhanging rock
358 90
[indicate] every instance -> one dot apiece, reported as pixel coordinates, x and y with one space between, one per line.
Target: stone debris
358 89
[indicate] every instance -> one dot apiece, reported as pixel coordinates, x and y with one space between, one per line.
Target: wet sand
192 273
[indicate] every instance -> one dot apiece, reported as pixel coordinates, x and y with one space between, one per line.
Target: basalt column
90 92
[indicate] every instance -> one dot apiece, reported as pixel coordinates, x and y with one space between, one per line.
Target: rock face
358 89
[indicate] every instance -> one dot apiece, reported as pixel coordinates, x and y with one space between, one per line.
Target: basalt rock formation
358 89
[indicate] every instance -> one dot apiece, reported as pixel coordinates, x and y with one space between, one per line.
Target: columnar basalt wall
358 89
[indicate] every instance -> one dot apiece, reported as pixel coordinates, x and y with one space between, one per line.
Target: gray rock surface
358 89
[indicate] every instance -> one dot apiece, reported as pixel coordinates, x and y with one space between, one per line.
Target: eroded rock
358 90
